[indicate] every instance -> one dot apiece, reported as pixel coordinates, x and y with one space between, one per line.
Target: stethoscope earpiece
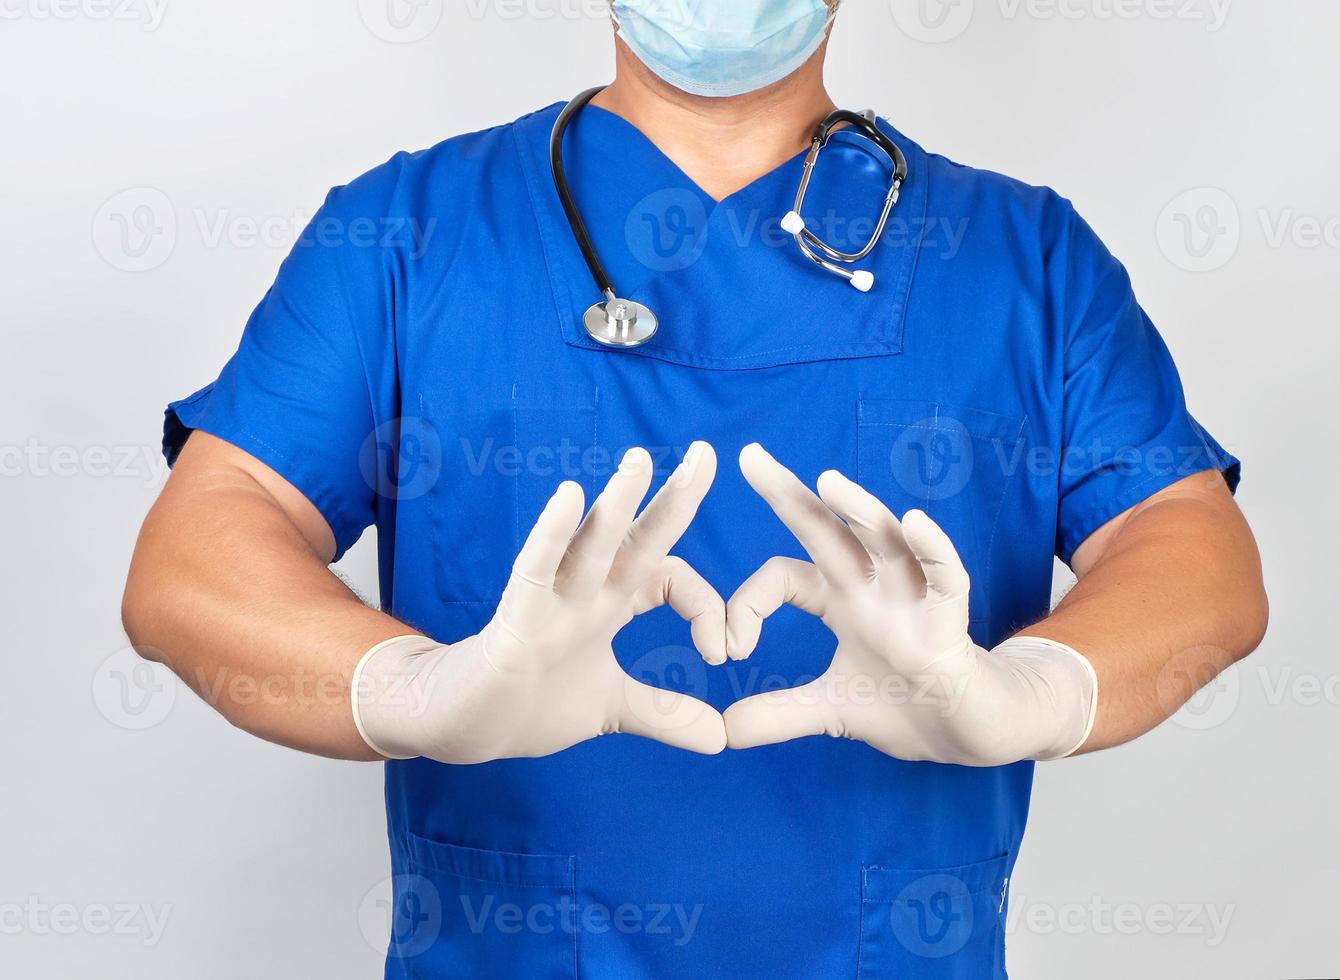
617 322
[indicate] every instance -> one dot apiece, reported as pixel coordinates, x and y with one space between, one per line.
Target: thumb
780 716
671 718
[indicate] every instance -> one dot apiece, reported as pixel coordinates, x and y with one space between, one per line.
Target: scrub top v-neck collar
732 290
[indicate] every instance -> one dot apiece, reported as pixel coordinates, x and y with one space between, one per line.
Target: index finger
828 541
670 512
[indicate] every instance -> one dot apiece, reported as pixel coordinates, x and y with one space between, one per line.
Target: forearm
1168 598
226 591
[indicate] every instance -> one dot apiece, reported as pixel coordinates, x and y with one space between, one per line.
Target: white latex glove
906 678
542 676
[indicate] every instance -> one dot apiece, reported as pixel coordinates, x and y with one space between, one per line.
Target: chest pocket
503 458
467 913
955 463
944 924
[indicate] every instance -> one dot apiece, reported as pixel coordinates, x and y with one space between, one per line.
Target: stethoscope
618 322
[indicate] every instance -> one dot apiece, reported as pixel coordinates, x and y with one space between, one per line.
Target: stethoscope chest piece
620 323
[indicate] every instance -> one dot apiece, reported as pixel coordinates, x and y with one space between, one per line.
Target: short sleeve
1127 433
297 394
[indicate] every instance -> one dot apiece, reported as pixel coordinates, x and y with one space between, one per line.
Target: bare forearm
228 593
1168 598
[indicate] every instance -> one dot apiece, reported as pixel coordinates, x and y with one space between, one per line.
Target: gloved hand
542 676
906 678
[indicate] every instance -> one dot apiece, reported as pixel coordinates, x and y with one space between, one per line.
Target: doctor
827 776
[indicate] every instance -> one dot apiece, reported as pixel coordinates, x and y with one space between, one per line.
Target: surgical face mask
721 48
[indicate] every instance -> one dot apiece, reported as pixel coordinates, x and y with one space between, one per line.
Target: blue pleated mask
721 48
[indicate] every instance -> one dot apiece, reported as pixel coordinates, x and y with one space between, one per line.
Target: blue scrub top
420 365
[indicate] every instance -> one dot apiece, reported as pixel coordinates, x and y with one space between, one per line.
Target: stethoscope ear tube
617 322
614 322
815 249
565 197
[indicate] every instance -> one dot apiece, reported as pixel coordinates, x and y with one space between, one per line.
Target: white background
1154 116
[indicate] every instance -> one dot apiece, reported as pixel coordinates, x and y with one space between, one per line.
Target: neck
726 144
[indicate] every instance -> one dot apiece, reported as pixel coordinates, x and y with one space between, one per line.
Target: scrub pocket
555 438
504 454
463 912
954 463
945 924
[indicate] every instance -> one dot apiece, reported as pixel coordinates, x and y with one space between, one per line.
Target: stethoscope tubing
599 320
570 208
